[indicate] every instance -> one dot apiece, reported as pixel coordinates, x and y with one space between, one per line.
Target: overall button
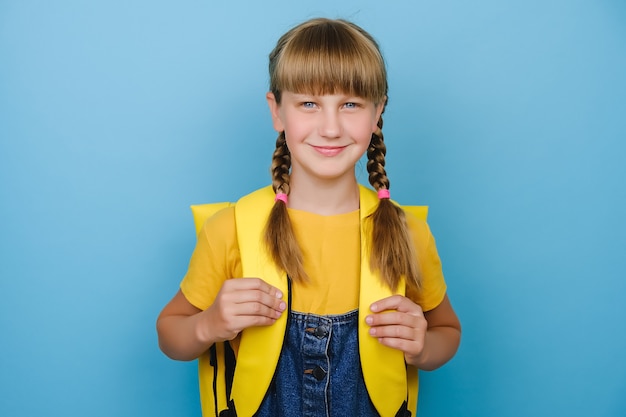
320 331
317 372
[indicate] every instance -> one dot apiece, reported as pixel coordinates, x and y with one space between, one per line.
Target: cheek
298 127
291 130
363 139
288 121
370 126
366 124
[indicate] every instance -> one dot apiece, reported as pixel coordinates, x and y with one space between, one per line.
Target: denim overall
319 370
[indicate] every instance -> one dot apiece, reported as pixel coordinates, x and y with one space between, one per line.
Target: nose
329 124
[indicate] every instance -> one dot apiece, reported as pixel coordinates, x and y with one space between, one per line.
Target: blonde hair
323 56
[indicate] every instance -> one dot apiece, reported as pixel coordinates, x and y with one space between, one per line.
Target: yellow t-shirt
331 251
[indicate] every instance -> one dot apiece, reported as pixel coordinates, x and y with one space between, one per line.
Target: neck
324 197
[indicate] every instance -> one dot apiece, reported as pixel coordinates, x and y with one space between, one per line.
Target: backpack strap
260 347
382 366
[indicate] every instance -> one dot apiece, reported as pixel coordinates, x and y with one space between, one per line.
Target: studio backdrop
507 118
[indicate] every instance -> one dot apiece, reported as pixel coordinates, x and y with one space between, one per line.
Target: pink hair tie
383 193
282 197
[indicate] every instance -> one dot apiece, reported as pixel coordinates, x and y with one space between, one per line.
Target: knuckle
258 296
256 308
262 321
397 330
223 311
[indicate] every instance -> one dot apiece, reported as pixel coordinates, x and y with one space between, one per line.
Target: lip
329 150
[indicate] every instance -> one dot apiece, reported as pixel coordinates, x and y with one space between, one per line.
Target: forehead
339 95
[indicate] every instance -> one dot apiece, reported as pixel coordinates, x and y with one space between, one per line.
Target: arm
443 337
428 340
177 328
185 332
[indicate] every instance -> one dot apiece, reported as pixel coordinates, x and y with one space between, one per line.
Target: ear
274 111
380 108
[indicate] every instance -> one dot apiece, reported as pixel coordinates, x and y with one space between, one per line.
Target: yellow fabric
382 366
335 240
259 347
202 212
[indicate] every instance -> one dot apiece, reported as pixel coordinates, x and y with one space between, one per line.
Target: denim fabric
319 371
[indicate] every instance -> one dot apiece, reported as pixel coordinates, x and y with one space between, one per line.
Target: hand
399 323
242 303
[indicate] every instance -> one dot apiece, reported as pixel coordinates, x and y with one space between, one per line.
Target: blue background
507 118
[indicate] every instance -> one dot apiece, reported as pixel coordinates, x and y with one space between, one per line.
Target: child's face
326 134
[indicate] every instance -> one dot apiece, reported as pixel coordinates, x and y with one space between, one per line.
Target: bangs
328 58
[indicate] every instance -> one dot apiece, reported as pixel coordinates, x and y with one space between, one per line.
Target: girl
329 294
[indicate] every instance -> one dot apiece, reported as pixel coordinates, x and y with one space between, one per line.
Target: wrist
202 328
419 361
440 345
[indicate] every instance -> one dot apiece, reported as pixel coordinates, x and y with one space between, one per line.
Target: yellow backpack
391 384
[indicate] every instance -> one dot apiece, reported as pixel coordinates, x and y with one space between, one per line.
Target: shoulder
220 222
214 259
219 232
420 231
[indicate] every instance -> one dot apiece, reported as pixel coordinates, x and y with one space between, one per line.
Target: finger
394 332
397 302
259 309
405 345
238 316
252 284
251 290
257 297
396 318
239 323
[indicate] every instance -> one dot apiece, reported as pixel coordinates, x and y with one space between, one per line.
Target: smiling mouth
329 150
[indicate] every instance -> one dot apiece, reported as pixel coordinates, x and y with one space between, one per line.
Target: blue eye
308 104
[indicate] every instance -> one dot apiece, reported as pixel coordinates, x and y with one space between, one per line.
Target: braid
376 159
281 163
393 253
279 235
